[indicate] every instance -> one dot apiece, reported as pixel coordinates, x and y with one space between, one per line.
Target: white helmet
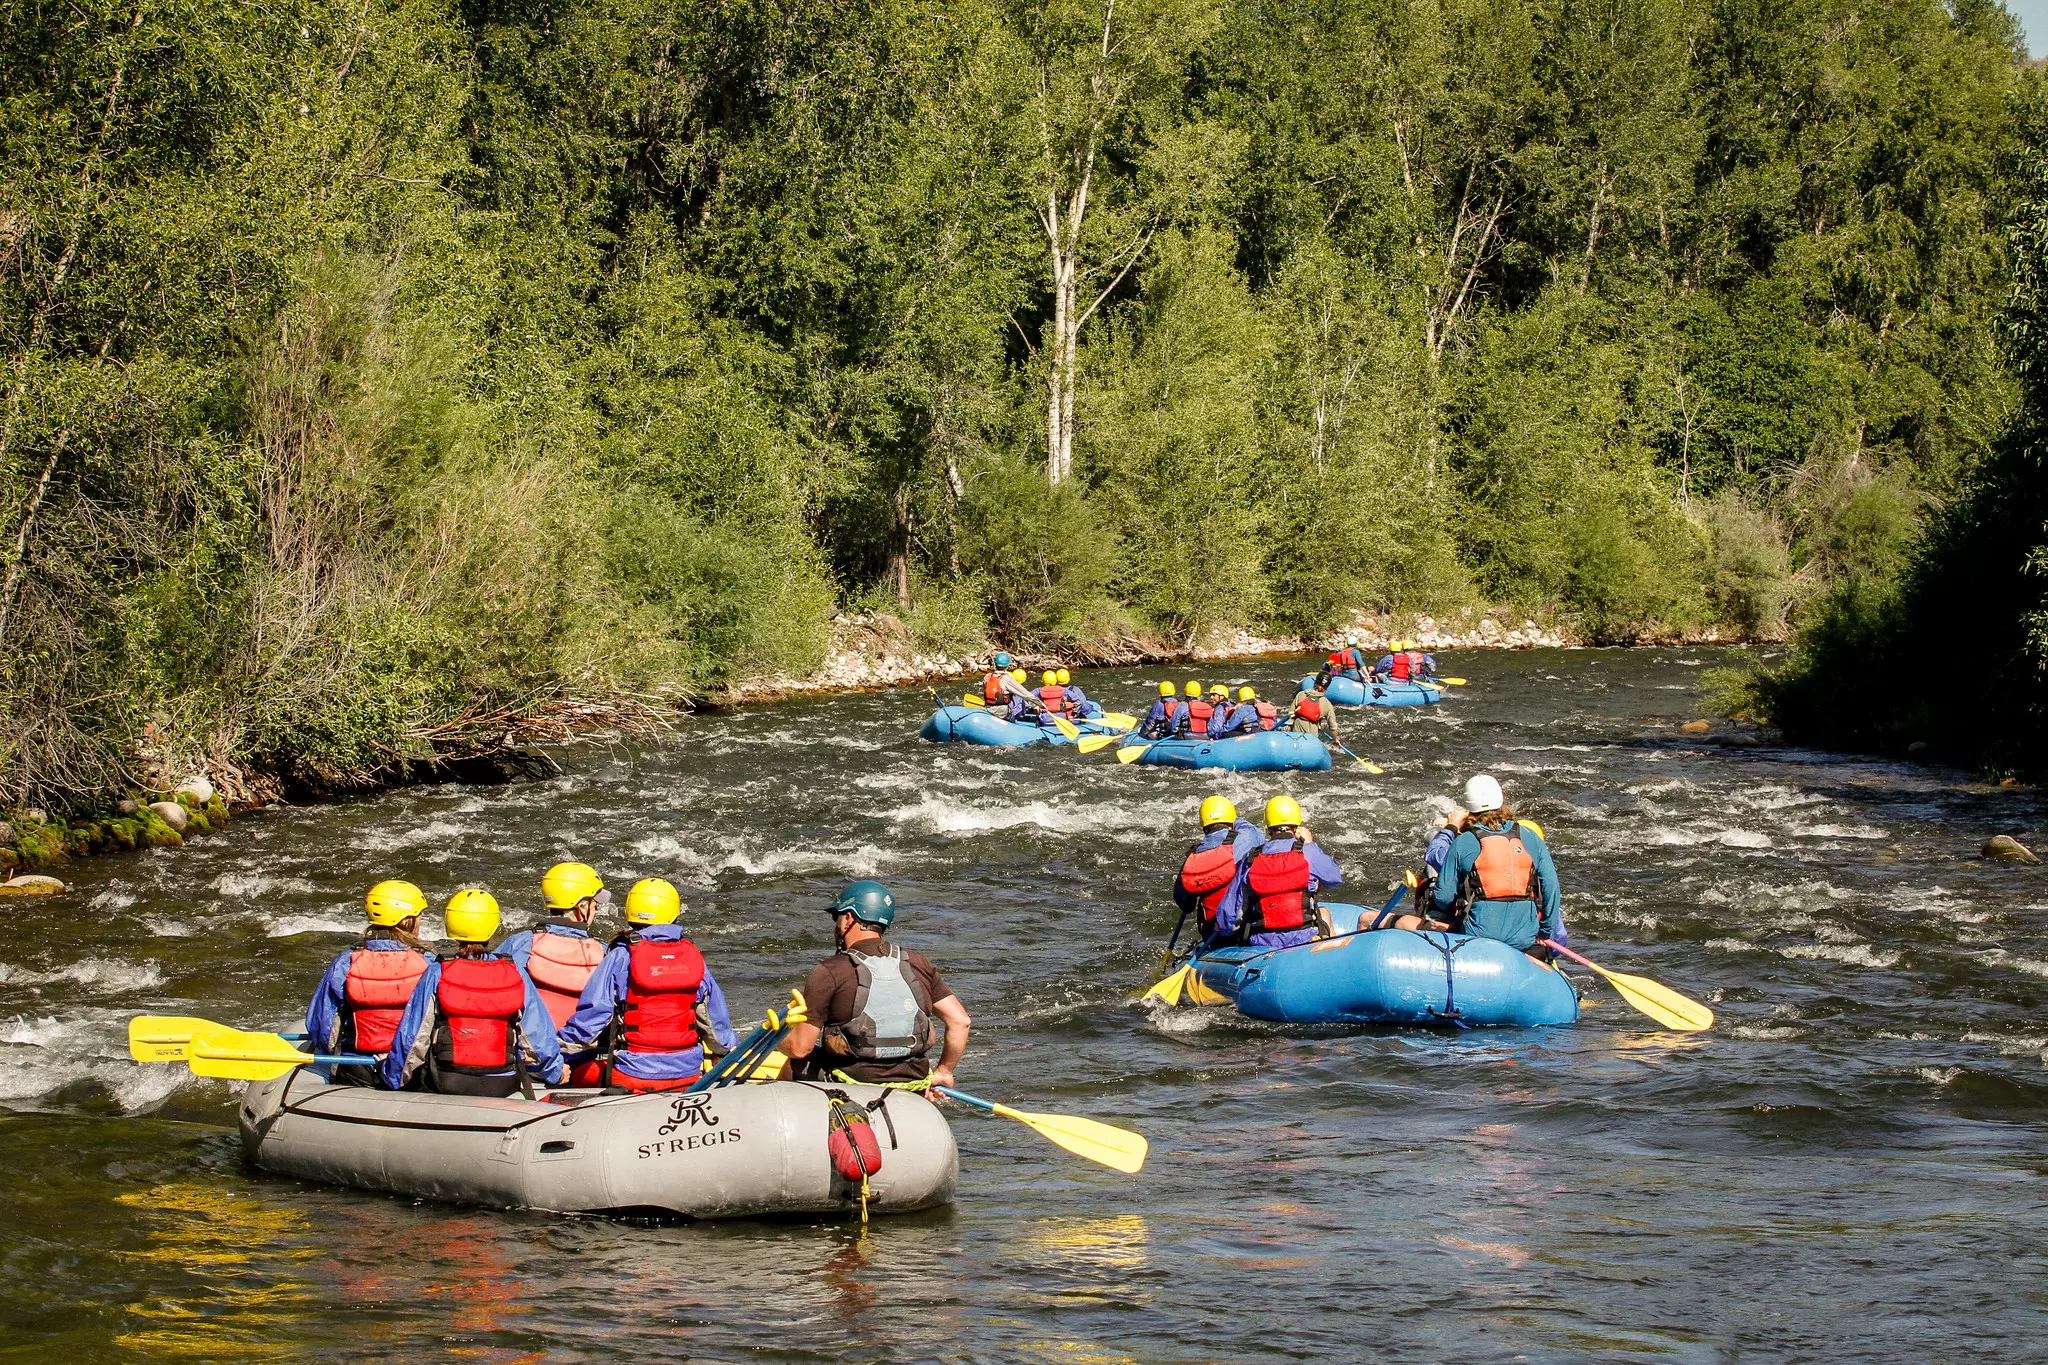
1482 794
1351 639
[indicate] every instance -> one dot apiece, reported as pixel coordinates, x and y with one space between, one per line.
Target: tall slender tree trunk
899 546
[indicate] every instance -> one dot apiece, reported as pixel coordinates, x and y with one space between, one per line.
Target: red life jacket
376 989
1269 714
1503 871
1054 698
1403 664
480 1000
662 981
1198 717
1309 709
1279 887
1337 663
1206 875
560 965
992 688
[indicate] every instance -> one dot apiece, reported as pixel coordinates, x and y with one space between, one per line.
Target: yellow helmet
1283 811
1194 689
1049 678
1217 810
392 902
1065 677
1018 674
1219 690
653 901
1246 694
473 916
1166 689
567 883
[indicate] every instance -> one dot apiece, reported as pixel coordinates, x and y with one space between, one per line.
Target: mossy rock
40 845
153 831
216 811
124 832
9 860
197 823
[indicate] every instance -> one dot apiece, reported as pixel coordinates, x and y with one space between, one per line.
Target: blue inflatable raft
1266 751
1389 976
1350 692
973 725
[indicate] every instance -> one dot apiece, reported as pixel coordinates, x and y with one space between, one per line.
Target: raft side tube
1391 976
1264 751
735 1152
1350 692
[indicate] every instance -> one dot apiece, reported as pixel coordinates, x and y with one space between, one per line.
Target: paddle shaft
950 1093
733 1059
1166 958
1557 947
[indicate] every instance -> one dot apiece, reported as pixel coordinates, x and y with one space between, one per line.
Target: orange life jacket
1206 874
377 987
1198 717
480 1000
1054 699
662 981
1503 871
560 965
1269 714
1279 884
992 688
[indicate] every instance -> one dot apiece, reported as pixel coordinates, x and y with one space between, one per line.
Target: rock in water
196 787
32 885
2007 849
1696 727
172 813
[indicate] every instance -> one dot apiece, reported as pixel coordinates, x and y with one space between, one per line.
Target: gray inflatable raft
736 1152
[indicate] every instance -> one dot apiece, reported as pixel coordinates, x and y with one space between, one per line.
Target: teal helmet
868 902
1003 660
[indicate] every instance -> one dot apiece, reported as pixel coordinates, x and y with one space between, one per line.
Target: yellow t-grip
798 1012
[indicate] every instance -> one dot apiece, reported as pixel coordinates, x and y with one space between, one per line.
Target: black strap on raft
1450 1013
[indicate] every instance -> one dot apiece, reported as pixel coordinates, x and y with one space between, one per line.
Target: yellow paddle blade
1168 991
1117 1148
1130 753
165 1037
1198 994
1066 727
1450 682
1375 769
234 1055
1119 718
768 1068
1092 743
1660 1002
972 699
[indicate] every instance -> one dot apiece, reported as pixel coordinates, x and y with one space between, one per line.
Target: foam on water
103 974
1853 954
290 926
936 815
244 885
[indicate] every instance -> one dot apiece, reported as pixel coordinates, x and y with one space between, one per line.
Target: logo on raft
688 1111
688 1144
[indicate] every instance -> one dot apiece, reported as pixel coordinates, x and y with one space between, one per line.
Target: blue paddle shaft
950 1093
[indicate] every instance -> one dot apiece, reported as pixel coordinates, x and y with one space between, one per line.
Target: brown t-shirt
829 993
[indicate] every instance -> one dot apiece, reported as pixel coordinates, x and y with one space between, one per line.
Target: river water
1850 1167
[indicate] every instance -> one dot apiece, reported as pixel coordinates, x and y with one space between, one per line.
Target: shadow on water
1850 1167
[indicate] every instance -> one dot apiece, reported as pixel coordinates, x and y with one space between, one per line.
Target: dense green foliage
1944 648
370 367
